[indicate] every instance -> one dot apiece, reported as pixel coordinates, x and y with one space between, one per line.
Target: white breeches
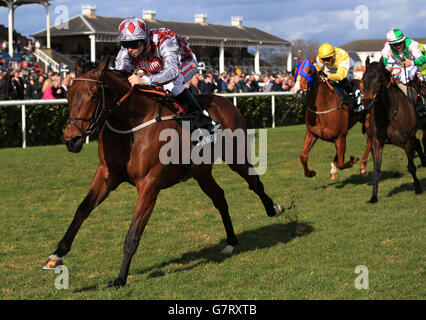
405 75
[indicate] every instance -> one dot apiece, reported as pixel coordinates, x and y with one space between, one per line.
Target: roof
22 2
81 25
370 45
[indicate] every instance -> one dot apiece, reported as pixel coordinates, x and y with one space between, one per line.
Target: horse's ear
102 68
367 61
77 66
299 59
312 60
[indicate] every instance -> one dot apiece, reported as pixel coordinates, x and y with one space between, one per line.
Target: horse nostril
70 143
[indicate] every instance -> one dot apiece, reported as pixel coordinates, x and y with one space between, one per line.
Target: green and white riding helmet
395 36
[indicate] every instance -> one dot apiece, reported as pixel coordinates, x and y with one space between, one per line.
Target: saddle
165 99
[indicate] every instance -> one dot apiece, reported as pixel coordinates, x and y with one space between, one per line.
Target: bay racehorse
392 119
328 118
130 155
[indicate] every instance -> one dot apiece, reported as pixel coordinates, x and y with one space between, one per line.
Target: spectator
208 84
47 90
66 83
4 87
222 83
18 88
57 90
4 46
277 85
193 85
254 83
267 84
32 89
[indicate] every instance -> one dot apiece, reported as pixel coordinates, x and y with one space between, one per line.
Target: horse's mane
121 76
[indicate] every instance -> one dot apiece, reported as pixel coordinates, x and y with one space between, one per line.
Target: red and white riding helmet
132 29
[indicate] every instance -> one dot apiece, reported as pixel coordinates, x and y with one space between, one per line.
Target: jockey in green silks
407 55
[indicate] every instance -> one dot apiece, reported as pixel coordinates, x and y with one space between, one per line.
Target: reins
330 110
94 121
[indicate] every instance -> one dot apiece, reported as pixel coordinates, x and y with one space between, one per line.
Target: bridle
99 111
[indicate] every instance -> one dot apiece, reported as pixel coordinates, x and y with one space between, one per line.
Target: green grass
309 253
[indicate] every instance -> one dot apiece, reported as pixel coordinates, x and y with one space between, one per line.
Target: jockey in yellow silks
336 65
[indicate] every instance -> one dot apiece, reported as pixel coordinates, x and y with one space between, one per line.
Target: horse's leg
377 151
340 143
419 150
208 184
363 168
333 172
310 139
410 151
253 180
147 192
100 187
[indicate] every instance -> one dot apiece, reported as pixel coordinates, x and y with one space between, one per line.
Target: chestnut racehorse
393 120
133 157
327 118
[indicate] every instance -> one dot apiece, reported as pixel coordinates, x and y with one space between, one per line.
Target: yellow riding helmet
326 51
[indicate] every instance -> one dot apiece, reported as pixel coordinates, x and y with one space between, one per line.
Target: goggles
132 44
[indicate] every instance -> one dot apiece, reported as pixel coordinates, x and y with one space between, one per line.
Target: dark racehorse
327 118
392 119
134 157
412 95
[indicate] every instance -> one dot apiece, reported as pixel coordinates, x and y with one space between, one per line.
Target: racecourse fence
48 129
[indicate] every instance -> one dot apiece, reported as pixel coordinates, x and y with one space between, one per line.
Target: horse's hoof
334 176
227 250
364 172
279 209
52 262
418 190
354 160
310 174
117 283
373 200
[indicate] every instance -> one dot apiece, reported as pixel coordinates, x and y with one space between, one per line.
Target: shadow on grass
358 179
406 187
264 237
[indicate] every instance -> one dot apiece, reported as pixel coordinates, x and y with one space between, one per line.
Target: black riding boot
353 102
420 107
190 105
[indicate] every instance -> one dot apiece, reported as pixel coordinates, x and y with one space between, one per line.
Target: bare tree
305 48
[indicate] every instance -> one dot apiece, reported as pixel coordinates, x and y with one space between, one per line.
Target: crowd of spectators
238 82
22 78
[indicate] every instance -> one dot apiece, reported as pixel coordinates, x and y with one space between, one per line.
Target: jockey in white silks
165 58
407 59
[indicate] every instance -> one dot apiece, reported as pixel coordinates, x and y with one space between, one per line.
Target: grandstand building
93 37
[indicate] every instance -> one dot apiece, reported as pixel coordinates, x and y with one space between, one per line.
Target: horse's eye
94 97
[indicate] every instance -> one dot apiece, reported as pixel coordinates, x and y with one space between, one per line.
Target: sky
335 21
